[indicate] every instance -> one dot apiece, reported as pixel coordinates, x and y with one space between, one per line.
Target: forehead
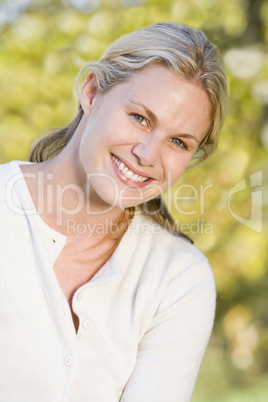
158 82
176 102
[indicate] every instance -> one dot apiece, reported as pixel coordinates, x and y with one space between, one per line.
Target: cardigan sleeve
171 350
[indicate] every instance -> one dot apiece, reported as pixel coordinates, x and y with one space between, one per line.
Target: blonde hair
185 51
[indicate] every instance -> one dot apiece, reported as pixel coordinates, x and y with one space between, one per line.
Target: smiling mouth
127 172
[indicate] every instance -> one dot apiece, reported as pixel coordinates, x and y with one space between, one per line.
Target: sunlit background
221 204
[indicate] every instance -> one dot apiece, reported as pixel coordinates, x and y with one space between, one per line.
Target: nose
147 151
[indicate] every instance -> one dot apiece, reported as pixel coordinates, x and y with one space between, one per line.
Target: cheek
174 169
93 141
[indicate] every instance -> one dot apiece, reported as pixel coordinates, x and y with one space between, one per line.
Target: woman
102 298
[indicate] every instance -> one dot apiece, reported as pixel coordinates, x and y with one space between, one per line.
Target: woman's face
138 138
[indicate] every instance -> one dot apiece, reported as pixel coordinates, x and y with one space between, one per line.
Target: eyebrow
153 117
148 111
191 137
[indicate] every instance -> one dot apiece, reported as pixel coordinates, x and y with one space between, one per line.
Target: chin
109 194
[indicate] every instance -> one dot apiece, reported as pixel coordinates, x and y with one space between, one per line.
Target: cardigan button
68 361
86 324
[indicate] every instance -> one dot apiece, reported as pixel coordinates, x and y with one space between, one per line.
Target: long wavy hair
181 49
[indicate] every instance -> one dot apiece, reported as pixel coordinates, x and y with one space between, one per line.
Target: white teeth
127 172
134 177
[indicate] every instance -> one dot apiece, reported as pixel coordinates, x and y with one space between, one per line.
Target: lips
129 174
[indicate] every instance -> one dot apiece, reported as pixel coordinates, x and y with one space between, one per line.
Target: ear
88 94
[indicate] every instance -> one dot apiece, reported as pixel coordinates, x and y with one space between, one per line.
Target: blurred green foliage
43 46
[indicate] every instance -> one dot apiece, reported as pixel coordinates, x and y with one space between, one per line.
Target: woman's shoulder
146 234
8 174
10 171
12 185
169 264
154 249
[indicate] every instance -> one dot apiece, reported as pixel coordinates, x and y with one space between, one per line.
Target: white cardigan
145 317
